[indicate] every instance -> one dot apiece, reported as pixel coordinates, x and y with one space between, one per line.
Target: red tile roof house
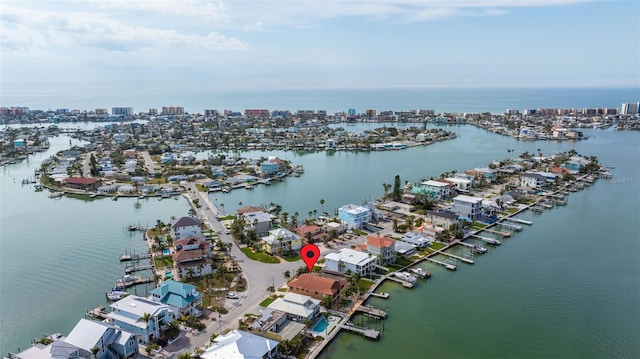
191 257
382 247
317 286
311 233
82 183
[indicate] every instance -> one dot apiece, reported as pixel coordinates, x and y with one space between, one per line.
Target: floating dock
365 332
488 240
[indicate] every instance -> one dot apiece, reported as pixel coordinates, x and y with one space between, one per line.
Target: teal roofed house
183 296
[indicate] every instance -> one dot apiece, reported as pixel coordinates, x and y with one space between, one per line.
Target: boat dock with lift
130 268
449 266
371 311
466 260
475 248
364 331
383 295
518 220
134 257
511 226
488 240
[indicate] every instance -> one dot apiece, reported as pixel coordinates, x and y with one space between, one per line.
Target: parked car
232 296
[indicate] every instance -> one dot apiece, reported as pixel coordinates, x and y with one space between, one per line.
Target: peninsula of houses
218 289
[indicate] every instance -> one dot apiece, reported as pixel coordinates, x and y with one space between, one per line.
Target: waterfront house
186 227
275 324
260 222
298 307
354 216
416 238
281 240
273 166
81 183
467 207
238 344
317 286
405 249
111 342
183 296
348 261
311 233
442 218
191 257
383 248
57 349
130 312
575 163
460 184
435 189
533 180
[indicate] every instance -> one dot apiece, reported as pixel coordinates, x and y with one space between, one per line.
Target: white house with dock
349 260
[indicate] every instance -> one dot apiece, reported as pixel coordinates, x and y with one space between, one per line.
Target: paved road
259 276
151 167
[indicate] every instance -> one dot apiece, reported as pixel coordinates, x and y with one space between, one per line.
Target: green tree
397 190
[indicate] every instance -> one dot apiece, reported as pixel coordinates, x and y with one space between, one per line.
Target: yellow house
281 240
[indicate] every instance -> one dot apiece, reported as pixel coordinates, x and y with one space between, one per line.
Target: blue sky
96 46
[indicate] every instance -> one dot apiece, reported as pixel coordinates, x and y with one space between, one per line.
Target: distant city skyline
93 48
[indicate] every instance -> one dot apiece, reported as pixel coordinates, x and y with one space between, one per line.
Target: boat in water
56 195
116 294
420 272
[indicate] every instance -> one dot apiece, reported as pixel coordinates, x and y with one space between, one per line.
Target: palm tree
322 203
287 275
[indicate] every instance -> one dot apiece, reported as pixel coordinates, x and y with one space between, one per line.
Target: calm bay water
568 286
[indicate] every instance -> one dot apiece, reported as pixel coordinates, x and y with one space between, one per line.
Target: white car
226 231
232 296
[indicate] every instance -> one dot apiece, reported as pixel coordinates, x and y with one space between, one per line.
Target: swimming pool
320 326
166 251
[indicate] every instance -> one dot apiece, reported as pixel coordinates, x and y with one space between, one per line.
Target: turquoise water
567 286
320 326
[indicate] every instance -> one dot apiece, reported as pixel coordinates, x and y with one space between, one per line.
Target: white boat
56 194
420 272
116 294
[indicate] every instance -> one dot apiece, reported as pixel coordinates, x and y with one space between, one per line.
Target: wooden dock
99 312
133 268
134 257
383 295
374 312
446 265
474 247
466 260
130 283
518 220
511 226
504 234
398 280
366 332
488 240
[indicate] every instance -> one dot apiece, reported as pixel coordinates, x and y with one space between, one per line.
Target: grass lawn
226 218
364 285
292 258
267 301
512 210
162 262
403 261
260 256
435 246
